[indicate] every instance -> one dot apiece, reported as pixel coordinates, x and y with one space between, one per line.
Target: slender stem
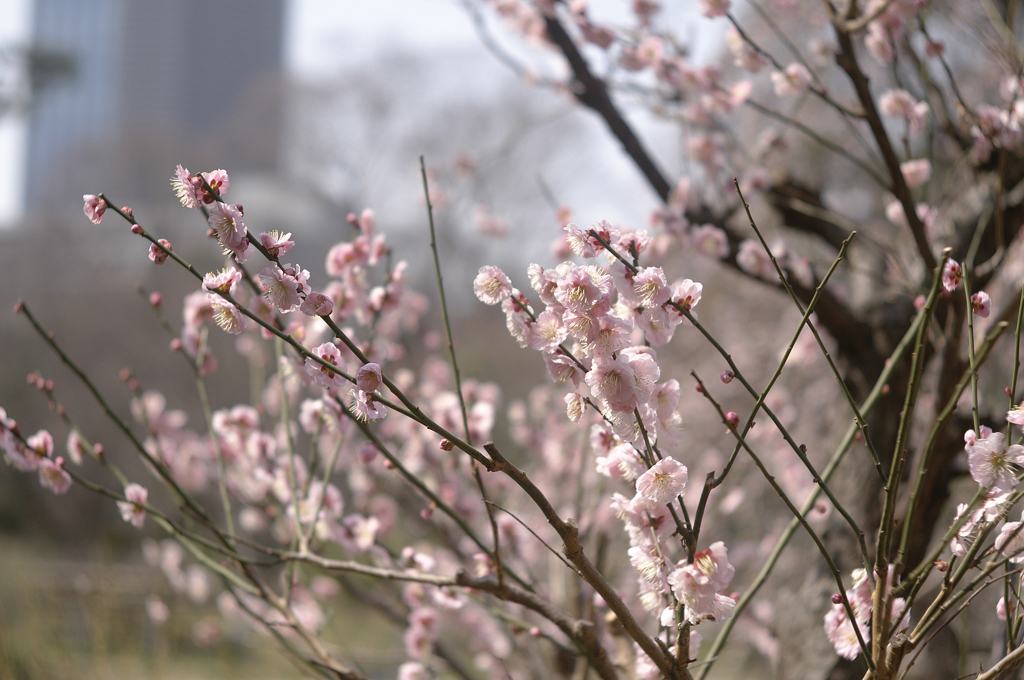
222 484
797 514
791 529
495 535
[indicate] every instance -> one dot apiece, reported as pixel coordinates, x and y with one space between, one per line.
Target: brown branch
847 60
592 93
579 631
568 531
802 209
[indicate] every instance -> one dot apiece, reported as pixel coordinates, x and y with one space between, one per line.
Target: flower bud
727 376
136 229
156 299
837 598
732 418
446 445
941 566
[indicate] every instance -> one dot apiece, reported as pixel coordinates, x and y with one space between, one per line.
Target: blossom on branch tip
491 285
94 208
951 275
981 304
131 508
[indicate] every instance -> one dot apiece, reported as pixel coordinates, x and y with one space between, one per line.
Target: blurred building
151 83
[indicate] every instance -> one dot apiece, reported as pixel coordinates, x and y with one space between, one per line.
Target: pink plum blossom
981 304
491 285
916 172
186 187
322 375
951 275
992 464
369 378
901 104
94 208
317 304
227 316
1010 541
218 181
53 476
612 380
699 585
227 226
1016 415
131 508
663 482
791 82
223 281
276 243
710 240
159 255
284 287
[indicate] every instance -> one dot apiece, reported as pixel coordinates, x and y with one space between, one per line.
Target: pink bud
137 229
176 345
727 376
1007 391
919 302
535 632
156 299
837 598
367 453
732 418
941 565
446 445
127 211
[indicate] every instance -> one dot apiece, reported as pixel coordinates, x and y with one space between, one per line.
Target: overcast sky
323 36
